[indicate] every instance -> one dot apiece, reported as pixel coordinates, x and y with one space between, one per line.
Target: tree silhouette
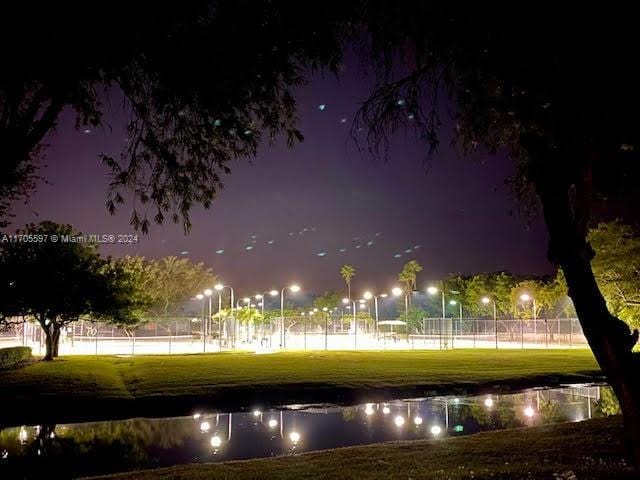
57 281
408 276
348 272
561 100
200 83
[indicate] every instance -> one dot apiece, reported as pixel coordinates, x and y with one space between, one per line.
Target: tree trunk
48 334
55 341
565 203
52 338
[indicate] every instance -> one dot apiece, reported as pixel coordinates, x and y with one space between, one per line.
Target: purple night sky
458 213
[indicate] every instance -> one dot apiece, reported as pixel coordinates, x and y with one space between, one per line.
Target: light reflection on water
106 447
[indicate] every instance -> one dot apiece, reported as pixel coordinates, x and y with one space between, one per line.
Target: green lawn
149 385
589 450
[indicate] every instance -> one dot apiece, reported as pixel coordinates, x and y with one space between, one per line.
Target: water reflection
106 447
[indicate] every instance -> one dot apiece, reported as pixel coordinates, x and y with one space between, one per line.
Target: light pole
219 287
273 293
525 297
396 292
263 297
453 333
283 338
354 307
201 298
487 301
368 296
455 302
207 327
432 291
208 292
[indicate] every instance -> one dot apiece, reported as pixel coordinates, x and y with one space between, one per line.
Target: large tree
200 83
173 281
545 84
347 272
408 278
51 274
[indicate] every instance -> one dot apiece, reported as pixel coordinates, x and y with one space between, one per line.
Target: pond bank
590 450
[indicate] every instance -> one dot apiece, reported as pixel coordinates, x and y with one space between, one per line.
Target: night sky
458 213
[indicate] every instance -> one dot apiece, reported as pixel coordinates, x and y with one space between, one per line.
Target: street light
432 291
352 303
219 287
454 302
206 324
396 292
273 293
201 298
368 296
525 297
283 338
487 301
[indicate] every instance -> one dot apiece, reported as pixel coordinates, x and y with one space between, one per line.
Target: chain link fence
191 335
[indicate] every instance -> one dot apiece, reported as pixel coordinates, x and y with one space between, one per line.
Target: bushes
13 355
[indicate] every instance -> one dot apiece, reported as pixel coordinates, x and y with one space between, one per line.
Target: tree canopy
169 282
616 266
200 83
56 281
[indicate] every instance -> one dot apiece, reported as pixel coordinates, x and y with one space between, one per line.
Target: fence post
475 325
169 338
546 333
133 343
522 332
495 321
304 332
453 332
326 332
355 336
97 331
571 333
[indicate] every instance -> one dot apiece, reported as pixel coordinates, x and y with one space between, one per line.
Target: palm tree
348 272
407 277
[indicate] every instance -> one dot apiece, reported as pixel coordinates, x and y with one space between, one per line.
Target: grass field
589 450
154 385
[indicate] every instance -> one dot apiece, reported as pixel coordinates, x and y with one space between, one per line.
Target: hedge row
13 355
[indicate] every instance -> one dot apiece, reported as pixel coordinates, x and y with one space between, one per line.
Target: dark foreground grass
589 450
107 386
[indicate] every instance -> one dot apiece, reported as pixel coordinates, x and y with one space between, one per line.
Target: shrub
11 356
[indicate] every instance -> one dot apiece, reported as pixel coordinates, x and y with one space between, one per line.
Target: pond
70 450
